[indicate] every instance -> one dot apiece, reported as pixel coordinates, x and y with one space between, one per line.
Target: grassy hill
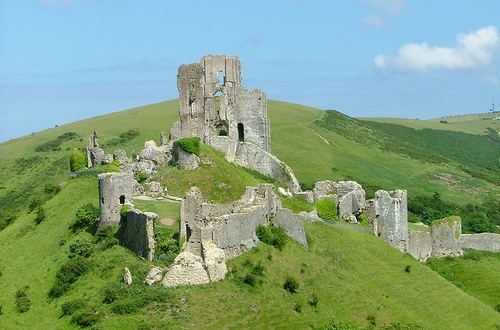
346 276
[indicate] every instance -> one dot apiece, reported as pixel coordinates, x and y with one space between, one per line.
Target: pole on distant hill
493 109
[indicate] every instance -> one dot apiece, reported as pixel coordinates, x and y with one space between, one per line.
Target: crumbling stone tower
215 107
115 190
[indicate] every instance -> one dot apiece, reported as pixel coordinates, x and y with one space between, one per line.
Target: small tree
77 161
87 215
81 247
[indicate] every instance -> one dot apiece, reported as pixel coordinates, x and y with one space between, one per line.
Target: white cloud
473 50
392 6
59 3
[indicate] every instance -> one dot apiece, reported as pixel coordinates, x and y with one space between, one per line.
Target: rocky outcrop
154 275
183 159
127 276
215 262
187 269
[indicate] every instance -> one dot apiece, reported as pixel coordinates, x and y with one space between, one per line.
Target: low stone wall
484 242
420 245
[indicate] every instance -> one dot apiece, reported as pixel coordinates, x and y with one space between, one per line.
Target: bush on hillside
87 317
291 284
68 274
70 307
271 235
123 137
87 215
55 144
190 145
77 161
327 209
23 303
81 247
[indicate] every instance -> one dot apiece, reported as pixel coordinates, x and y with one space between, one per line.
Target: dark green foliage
68 274
427 145
77 161
291 284
40 215
259 176
141 177
128 306
123 137
167 247
408 268
51 189
87 215
475 218
70 307
314 300
6 219
81 247
306 186
271 235
297 307
190 145
55 145
86 318
105 237
23 303
327 209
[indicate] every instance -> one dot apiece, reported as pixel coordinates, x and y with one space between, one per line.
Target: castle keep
216 107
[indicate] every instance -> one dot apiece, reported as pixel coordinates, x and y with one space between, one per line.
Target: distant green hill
345 277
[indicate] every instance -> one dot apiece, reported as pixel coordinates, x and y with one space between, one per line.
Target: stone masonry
115 190
216 107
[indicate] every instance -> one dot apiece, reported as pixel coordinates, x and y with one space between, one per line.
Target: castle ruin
214 106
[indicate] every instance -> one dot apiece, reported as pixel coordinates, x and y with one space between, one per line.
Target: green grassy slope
356 277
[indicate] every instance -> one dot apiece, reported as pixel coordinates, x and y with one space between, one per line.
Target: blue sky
67 60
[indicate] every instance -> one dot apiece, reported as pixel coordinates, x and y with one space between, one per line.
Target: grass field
344 276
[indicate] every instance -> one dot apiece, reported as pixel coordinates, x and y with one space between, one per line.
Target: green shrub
190 145
123 137
112 167
40 215
327 209
87 215
291 284
77 161
23 303
297 307
87 317
128 306
105 237
271 235
341 326
55 145
51 189
81 247
70 307
141 177
314 300
68 274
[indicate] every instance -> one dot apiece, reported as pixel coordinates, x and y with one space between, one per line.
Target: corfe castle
215 107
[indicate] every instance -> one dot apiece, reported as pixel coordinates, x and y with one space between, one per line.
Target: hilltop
339 276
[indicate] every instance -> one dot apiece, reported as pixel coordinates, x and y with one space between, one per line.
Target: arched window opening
221 128
122 199
241 132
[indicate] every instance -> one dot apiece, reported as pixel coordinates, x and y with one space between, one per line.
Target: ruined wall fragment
392 217
139 235
445 237
483 242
